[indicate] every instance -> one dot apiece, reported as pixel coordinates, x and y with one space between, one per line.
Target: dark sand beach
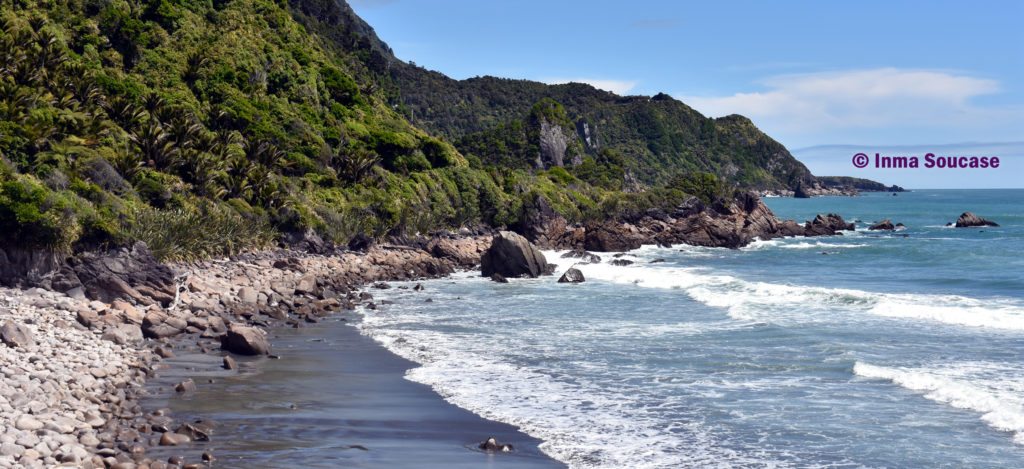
335 398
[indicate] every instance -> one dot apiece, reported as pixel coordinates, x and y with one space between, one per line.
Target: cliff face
655 137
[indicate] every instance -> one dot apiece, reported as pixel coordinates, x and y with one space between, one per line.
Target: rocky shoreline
107 321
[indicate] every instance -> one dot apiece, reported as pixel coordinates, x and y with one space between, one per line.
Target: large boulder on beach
573 275
968 219
15 335
883 225
245 340
827 225
511 255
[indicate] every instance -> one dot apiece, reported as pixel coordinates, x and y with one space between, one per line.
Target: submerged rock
491 444
583 256
511 255
497 278
573 275
968 219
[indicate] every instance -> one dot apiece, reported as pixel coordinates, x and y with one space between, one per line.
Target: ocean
871 349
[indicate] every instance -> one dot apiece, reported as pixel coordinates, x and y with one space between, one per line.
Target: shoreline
156 351
154 311
371 417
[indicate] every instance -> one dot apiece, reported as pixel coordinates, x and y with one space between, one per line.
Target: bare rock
583 256
245 340
15 335
174 439
573 275
158 324
827 225
968 219
511 255
124 334
884 225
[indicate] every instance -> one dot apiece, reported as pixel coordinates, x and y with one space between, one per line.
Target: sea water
871 349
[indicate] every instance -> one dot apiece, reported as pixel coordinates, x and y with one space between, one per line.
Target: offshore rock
573 275
968 219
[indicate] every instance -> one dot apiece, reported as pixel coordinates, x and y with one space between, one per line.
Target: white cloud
620 87
864 99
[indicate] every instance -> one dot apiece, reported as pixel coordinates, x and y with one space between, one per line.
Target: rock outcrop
884 225
968 219
612 237
827 225
511 255
130 273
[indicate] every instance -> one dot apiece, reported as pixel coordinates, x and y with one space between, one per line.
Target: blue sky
808 73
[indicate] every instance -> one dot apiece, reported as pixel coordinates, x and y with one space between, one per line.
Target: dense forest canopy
205 127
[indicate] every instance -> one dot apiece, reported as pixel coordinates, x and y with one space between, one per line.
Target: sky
871 74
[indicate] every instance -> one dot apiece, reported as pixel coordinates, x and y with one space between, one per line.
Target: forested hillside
496 120
205 127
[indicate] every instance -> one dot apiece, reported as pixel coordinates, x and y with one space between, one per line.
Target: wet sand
334 399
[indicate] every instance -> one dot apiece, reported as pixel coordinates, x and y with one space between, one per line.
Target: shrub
209 230
32 215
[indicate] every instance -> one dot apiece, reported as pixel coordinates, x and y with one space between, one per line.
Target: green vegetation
208 127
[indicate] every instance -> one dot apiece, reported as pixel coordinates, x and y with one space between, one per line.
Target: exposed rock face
800 192
611 237
307 241
15 335
20 266
968 219
732 225
883 225
511 255
553 143
545 227
573 275
827 225
127 273
245 340
726 223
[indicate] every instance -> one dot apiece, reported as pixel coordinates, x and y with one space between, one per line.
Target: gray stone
245 340
28 423
573 275
15 335
124 334
248 295
511 255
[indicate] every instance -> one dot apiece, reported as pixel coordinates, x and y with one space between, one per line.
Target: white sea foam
991 389
586 425
766 301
